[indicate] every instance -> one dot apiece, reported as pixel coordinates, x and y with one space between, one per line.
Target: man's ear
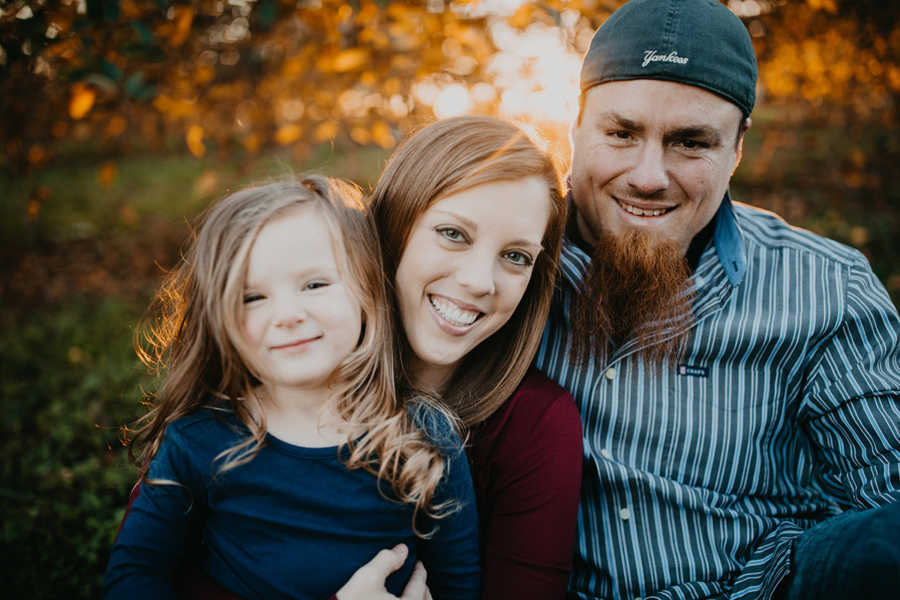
739 150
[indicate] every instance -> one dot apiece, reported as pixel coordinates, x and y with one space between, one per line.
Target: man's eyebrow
709 134
621 121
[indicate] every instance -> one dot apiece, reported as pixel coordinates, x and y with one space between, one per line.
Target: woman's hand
367 583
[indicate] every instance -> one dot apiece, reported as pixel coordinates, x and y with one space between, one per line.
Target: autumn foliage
222 75
248 74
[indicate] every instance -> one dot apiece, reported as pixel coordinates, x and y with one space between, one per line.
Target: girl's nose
289 312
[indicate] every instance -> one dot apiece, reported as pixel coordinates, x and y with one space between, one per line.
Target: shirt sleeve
451 553
851 409
150 546
529 532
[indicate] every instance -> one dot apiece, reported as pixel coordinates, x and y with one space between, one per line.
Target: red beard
634 287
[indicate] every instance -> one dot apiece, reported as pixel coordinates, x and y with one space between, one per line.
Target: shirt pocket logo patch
693 371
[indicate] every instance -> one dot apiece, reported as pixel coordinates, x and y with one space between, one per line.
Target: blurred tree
837 60
217 74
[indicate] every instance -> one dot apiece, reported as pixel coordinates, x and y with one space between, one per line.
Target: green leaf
144 34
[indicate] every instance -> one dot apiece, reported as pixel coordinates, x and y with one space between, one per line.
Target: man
738 380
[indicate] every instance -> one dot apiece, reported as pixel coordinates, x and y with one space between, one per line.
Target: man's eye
519 258
694 144
249 298
622 134
451 233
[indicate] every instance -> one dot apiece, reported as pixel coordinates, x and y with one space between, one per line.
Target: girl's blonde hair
447 157
195 316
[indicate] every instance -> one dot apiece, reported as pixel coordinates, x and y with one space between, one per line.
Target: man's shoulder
768 231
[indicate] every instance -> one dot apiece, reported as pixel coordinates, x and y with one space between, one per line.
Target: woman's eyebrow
530 244
467 222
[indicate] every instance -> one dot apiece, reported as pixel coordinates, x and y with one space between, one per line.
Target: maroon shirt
526 466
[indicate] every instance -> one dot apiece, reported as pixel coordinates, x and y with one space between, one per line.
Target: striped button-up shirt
783 411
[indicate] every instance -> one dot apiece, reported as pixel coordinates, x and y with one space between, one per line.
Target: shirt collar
728 242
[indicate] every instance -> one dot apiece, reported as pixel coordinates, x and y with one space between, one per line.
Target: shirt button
611 373
624 514
606 453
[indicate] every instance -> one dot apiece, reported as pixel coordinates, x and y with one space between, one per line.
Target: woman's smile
452 316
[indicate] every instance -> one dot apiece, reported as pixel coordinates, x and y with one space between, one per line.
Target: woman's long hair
445 158
190 337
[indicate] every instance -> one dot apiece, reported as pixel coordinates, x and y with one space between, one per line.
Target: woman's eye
314 285
250 298
519 258
451 233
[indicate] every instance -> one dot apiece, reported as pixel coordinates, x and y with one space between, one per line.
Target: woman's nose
475 273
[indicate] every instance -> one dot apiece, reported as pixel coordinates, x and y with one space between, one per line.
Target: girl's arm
149 549
367 583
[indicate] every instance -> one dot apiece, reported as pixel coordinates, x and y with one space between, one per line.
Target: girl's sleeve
150 546
451 555
532 505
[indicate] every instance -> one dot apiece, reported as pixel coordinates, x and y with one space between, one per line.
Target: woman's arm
367 583
527 466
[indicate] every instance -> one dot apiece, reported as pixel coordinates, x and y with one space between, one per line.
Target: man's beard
635 287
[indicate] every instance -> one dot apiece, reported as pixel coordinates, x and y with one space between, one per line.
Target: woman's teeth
452 312
640 212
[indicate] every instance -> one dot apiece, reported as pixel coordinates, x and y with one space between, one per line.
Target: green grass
69 201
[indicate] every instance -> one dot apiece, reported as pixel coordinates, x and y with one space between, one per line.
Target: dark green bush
69 380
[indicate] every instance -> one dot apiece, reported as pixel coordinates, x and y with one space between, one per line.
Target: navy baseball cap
696 42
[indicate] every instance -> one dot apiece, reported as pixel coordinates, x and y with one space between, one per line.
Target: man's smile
638 211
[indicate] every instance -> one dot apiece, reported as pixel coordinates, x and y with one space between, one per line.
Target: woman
471 220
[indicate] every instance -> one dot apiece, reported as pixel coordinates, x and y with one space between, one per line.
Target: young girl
277 428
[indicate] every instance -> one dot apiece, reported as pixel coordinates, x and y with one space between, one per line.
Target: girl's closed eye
315 285
251 297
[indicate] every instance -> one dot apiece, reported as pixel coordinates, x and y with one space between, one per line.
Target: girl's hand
367 583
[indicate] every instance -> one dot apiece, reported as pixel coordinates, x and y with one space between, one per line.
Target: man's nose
649 176
475 272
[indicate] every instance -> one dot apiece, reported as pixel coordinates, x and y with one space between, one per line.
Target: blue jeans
855 555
